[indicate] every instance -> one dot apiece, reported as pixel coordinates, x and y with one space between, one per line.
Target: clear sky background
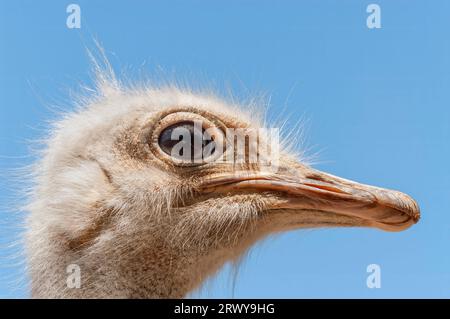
377 103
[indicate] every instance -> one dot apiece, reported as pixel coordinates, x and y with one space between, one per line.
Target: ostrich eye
186 141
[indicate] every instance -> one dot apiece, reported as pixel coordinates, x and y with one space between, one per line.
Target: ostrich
110 197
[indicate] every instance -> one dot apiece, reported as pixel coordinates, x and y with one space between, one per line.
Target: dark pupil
174 134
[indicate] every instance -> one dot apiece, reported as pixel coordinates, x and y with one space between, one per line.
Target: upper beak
309 189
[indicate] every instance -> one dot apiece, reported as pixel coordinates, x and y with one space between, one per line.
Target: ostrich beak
313 190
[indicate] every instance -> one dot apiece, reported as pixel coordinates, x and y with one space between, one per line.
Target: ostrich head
138 218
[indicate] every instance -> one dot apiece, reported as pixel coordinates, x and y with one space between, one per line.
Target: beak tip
412 208
400 202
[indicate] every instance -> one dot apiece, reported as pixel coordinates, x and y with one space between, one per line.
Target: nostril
317 177
326 188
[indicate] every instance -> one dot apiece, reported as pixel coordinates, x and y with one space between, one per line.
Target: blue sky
377 103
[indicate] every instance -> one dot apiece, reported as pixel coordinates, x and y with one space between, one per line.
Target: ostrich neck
145 273
167 273
135 265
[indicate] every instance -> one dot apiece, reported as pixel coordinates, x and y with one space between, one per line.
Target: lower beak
310 190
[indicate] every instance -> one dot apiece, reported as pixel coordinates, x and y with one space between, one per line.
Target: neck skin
130 265
159 272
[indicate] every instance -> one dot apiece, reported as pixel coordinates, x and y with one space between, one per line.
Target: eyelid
154 132
196 151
